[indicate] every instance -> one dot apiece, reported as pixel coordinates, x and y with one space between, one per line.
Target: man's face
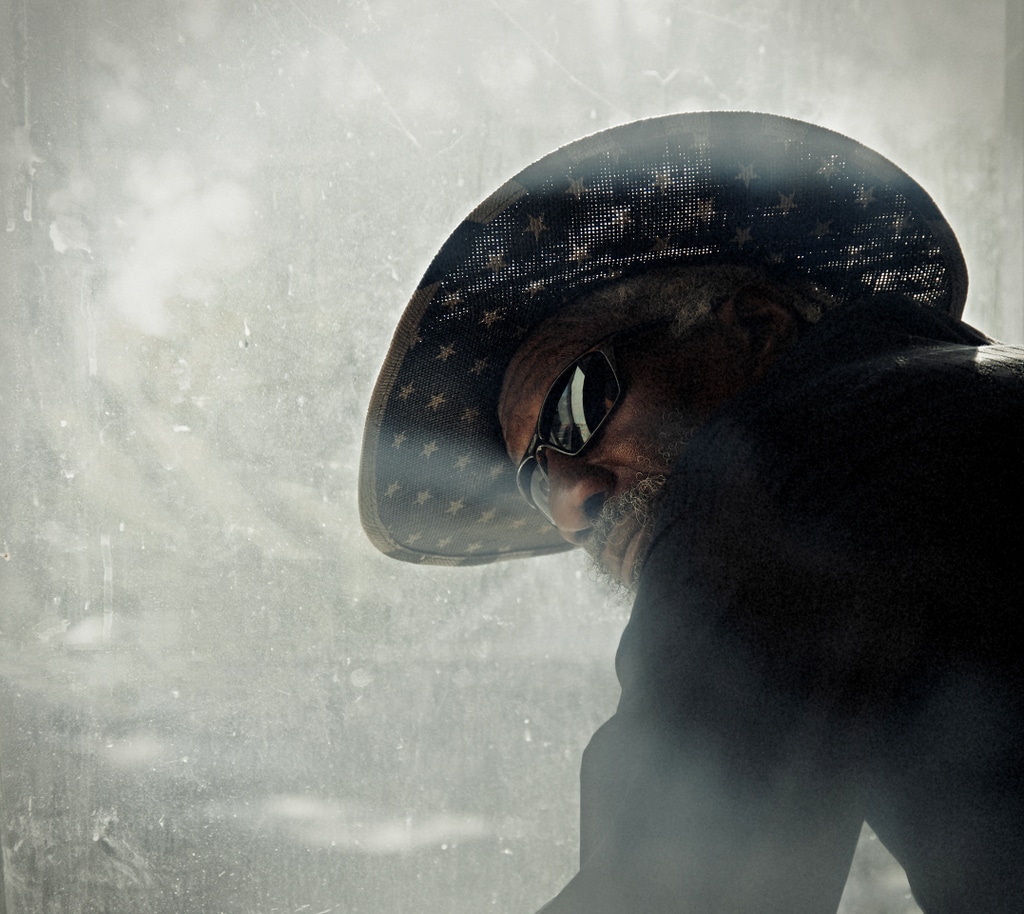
605 497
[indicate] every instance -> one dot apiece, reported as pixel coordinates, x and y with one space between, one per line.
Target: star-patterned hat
436 485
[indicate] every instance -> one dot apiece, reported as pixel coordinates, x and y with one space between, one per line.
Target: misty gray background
214 695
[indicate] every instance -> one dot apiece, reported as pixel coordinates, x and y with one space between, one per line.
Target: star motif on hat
452 299
747 174
454 507
463 461
701 136
469 414
615 152
580 256
622 218
786 204
661 244
448 349
743 235
406 391
866 196
478 366
428 449
902 223
830 166
662 180
488 516
536 226
490 318
392 490
496 263
576 187
436 402
399 440
444 542
703 210
821 229
423 497
535 287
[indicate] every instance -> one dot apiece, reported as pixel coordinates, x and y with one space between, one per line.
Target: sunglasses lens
575 408
579 402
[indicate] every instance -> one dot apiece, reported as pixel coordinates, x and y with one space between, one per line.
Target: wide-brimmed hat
436 485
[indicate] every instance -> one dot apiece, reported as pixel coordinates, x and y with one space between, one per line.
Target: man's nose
578 491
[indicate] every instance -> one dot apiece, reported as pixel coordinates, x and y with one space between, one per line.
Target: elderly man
721 353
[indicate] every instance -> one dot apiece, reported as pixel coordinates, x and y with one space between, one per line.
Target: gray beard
638 505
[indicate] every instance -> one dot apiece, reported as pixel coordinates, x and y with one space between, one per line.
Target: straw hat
436 485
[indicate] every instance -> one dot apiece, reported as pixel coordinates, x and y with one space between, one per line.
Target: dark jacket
827 631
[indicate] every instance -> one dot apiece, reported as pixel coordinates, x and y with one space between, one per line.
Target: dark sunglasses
573 411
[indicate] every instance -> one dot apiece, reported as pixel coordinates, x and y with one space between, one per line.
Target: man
721 352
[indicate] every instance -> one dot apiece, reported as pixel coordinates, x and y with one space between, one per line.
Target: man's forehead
551 346
647 295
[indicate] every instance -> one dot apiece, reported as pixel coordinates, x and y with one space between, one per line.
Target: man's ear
764 323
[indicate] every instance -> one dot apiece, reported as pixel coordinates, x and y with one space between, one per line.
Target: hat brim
436 485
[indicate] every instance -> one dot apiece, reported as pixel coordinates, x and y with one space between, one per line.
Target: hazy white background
214 695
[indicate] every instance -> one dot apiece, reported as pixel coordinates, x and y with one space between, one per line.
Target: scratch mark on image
108 586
